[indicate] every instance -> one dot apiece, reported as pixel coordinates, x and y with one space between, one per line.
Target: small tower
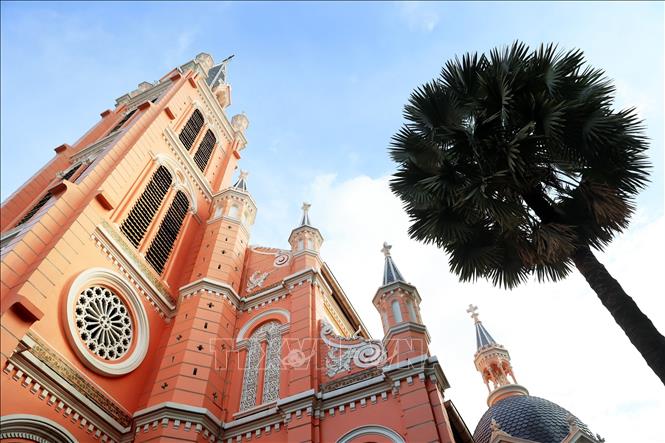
222 251
398 302
493 362
306 241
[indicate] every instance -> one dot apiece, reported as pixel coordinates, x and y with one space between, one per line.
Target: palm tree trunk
640 330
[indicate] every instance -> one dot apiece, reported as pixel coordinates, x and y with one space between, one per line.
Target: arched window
233 211
202 155
397 314
145 208
191 129
267 338
161 246
412 311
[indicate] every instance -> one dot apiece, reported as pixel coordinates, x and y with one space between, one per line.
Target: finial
495 426
472 309
241 183
305 214
386 249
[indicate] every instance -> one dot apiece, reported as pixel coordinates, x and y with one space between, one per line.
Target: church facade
134 308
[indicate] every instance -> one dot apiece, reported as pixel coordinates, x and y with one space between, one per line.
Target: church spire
483 337
492 360
305 214
390 272
241 183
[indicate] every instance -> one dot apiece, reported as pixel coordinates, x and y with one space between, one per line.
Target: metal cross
386 249
472 310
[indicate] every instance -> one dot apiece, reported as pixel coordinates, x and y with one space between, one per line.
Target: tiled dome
527 417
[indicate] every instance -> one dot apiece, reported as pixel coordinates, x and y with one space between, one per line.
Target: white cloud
565 346
419 15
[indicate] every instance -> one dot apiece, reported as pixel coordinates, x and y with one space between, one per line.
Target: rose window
103 322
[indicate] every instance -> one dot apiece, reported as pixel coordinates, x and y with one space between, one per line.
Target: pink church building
135 309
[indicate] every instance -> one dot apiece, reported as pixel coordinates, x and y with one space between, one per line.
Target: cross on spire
472 309
305 214
386 249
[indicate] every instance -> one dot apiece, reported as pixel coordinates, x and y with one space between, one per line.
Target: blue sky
323 85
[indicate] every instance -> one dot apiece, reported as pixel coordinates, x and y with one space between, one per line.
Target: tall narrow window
271 334
412 311
191 129
161 246
42 201
202 155
397 314
145 208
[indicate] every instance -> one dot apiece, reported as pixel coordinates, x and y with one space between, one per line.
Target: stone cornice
59 381
392 287
180 414
211 286
406 326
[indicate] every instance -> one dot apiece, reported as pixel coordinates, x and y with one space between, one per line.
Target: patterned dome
527 417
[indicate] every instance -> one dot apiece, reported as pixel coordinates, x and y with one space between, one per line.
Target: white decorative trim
180 180
364 353
372 430
281 312
141 326
34 428
188 162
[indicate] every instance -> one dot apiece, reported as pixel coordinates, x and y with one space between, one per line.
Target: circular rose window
108 325
103 322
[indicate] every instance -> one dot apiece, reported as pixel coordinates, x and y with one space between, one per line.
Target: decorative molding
126 259
286 316
372 430
141 326
187 162
89 153
256 280
363 353
33 428
180 180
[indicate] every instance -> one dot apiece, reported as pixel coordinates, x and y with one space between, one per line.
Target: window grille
141 215
271 334
202 155
191 129
160 249
35 208
42 201
123 121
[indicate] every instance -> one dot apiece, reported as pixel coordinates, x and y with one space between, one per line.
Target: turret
398 302
306 241
492 360
222 251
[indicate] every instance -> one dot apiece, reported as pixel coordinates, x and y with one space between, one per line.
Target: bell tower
492 360
398 302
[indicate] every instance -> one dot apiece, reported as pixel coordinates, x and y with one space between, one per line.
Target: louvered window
71 172
35 208
160 249
141 215
42 201
123 121
202 155
191 129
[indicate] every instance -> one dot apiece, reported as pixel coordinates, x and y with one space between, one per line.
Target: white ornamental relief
272 335
363 354
256 280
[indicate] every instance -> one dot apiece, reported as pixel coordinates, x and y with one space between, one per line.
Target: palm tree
515 163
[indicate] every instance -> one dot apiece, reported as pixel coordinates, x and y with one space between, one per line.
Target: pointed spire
390 272
483 337
242 182
305 214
